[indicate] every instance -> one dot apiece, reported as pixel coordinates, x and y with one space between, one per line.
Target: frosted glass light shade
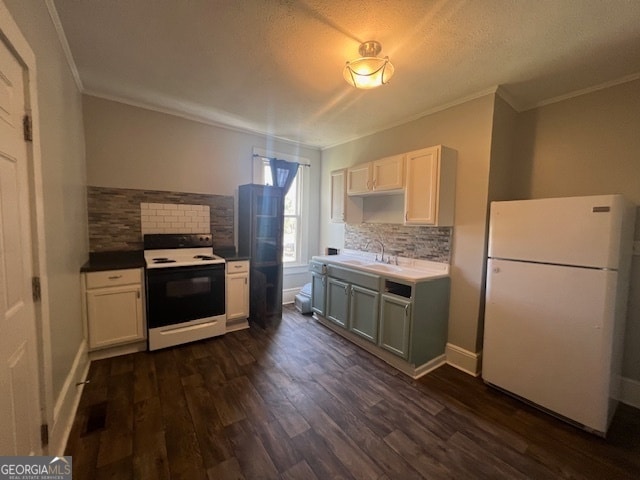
369 71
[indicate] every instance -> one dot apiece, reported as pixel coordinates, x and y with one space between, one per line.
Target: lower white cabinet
237 290
114 307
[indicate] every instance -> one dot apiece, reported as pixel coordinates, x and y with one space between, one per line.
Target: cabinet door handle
346 291
115 277
406 310
245 281
324 282
368 185
406 216
237 266
138 294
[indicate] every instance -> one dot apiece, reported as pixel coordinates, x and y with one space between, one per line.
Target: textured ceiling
275 66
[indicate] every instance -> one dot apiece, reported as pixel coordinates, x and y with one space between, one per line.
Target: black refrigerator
260 235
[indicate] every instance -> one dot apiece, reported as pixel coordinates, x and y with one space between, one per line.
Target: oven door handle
159 272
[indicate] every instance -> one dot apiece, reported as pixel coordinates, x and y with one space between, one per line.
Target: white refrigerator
556 296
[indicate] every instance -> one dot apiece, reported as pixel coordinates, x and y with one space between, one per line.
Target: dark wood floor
299 402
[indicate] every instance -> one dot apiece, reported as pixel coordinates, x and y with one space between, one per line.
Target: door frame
12 36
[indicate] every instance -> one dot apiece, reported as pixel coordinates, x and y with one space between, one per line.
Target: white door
19 398
548 336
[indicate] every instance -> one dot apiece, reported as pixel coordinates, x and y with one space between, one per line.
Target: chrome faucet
381 250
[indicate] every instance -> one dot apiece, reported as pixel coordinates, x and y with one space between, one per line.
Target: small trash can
303 300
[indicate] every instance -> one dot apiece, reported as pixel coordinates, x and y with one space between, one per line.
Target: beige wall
587 145
467 129
63 172
132 147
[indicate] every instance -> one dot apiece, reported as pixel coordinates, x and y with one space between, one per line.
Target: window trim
303 214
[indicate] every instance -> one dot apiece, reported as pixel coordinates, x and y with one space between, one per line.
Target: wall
131 147
134 148
64 179
587 145
466 128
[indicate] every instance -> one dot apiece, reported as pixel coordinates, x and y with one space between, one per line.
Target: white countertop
407 269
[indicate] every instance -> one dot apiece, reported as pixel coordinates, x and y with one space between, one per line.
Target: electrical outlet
636 247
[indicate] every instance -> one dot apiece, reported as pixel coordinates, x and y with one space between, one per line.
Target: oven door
181 294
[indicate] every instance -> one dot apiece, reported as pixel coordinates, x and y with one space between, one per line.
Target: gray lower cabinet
338 302
363 312
318 287
395 325
318 293
406 319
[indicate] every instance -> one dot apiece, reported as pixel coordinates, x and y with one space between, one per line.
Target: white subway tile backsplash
174 218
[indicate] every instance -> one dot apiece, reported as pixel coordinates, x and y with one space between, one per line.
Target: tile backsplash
424 243
174 218
115 216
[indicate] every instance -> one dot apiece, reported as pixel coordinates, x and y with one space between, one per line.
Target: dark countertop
230 254
100 261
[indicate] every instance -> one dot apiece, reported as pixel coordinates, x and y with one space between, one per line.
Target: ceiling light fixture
368 71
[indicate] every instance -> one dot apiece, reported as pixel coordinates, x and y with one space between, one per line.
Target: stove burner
204 257
163 260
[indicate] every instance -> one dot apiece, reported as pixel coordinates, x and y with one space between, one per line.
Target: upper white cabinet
338 195
430 186
388 173
343 208
382 175
359 179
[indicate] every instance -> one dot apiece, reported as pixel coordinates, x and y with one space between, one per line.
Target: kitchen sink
353 261
366 263
382 267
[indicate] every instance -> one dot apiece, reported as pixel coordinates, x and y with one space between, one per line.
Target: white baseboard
118 350
468 362
430 366
630 392
67 403
289 294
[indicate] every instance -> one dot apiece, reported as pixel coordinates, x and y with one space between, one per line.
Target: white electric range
185 283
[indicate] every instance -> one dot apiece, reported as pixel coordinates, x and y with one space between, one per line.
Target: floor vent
96 418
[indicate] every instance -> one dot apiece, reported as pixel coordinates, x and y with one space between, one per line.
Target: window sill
296 268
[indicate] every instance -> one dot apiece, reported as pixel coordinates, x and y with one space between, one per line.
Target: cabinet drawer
110 278
238 267
366 280
317 267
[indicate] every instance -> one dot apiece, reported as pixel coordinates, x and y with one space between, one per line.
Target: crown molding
431 111
584 91
55 19
194 117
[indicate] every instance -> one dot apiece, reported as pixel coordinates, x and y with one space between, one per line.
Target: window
292 241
